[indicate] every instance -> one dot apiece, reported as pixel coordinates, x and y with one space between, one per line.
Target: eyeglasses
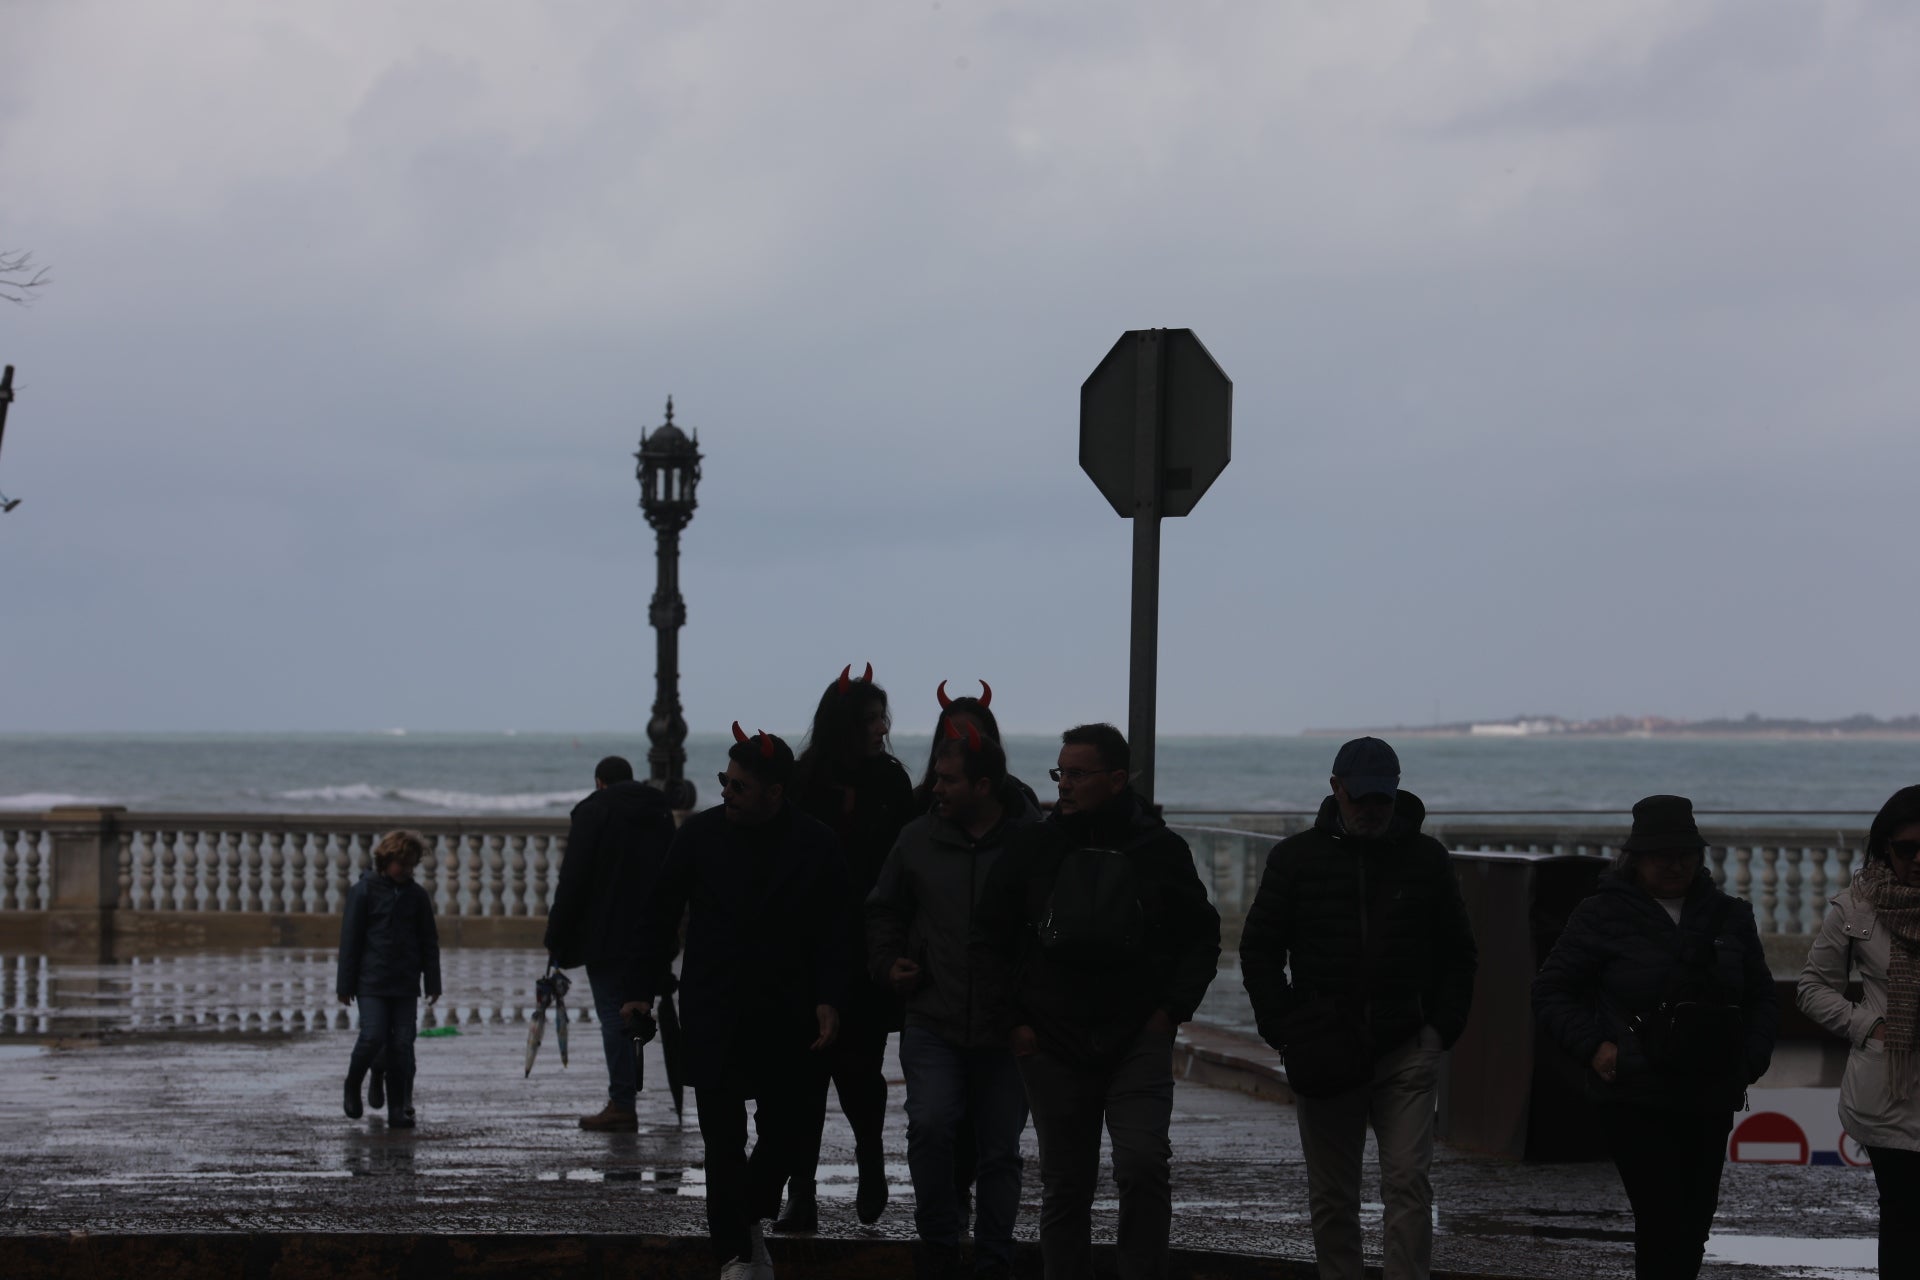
1075 775
731 784
1903 849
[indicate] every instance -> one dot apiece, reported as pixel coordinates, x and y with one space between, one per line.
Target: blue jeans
946 1087
388 1025
623 1064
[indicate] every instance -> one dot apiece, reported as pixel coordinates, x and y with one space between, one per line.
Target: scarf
1898 908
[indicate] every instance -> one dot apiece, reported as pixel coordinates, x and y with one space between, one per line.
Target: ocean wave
433 798
31 800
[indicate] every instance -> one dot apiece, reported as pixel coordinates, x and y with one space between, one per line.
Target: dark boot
377 1089
612 1119
351 1104
803 1212
870 1200
399 1103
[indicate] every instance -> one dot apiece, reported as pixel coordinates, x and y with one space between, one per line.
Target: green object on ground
440 1031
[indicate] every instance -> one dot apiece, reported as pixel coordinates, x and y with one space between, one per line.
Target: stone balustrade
114 882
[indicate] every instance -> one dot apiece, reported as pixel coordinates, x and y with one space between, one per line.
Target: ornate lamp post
669 471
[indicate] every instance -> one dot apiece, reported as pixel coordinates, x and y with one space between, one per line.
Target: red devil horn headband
986 695
739 734
846 677
762 737
972 734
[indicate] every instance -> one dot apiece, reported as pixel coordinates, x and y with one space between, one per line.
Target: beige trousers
1399 1104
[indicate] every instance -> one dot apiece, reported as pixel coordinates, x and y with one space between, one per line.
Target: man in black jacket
1368 913
1093 943
764 889
615 843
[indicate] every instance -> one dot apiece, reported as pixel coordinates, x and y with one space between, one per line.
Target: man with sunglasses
1093 942
764 890
1359 959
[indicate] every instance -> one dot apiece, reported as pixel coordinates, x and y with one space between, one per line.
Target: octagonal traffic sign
1169 377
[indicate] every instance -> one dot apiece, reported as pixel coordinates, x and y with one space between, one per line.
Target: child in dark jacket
388 944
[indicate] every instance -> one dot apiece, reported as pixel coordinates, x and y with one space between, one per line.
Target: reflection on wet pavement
201 1093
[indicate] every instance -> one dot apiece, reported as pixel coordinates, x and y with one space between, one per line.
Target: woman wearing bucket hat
1658 983
1874 926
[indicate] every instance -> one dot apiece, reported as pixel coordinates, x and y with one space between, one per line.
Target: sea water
545 774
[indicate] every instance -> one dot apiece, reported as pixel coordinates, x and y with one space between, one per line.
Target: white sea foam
31 800
434 798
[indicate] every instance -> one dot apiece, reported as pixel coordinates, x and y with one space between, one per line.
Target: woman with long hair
1873 926
1658 983
847 778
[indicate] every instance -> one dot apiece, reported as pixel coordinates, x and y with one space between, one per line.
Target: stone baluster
256 887
280 883
470 876
1742 860
313 862
140 863
163 898
556 850
429 875
1790 890
200 868
1717 864
495 902
332 854
10 844
517 888
1813 889
537 875
1768 906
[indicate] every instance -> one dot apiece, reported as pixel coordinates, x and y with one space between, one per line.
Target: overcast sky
1573 351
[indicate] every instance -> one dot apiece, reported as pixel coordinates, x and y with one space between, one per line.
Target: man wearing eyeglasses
764 889
1094 941
1359 959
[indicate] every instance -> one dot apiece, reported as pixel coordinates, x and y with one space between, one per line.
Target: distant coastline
1753 726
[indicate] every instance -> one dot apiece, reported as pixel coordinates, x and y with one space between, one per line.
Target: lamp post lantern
669 471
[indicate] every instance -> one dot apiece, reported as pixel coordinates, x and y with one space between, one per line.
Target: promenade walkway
233 1150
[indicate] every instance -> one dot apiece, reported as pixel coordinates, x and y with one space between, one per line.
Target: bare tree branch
19 277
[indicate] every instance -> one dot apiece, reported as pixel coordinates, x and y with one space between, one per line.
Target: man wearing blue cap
1359 959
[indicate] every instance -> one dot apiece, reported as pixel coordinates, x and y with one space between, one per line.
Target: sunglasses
1903 849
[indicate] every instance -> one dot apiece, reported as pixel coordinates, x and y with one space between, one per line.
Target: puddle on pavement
1849 1258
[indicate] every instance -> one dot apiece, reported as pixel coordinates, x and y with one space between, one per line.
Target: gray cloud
1569 352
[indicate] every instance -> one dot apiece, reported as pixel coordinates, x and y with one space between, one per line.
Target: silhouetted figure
616 840
1658 982
1359 960
389 947
764 890
1873 927
847 779
1094 941
960 1075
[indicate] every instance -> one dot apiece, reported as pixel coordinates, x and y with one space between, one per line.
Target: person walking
1093 942
389 949
848 780
1658 983
961 712
764 891
616 839
1359 959
959 1072
1873 927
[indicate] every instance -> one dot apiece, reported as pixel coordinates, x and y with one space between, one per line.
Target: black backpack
1094 905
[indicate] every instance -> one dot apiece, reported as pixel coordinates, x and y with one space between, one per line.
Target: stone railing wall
1788 873
106 879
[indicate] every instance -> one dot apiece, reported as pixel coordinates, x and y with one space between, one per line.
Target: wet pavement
184 1126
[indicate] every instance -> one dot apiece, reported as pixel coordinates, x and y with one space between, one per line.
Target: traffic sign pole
1144 659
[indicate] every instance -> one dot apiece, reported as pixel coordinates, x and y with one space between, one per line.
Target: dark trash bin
1507 1090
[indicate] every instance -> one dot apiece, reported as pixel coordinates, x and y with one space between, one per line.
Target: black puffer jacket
1374 923
615 845
1087 1008
388 942
1617 956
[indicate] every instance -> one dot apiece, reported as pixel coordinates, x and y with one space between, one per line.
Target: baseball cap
1367 767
